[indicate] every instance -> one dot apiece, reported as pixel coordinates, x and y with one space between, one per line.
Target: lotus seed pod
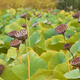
47 16
14 16
10 18
23 15
54 13
76 15
39 13
76 62
34 13
61 29
15 43
34 24
1 69
49 23
24 25
67 46
28 18
22 34
68 35
39 16
12 33
70 8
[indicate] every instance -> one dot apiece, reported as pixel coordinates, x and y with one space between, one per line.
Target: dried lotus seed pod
76 62
1 69
67 46
76 15
22 34
34 24
12 33
61 29
49 23
15 43
23 15
24 25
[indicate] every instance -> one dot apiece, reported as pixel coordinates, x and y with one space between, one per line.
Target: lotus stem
27 53
71 53
18 55
28 62
68 61
64 38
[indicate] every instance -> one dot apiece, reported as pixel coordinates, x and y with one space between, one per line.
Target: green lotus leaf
49 33
11 10
4 57
75 47
43 74
56 59
20 71
47 55
7 72
35 62
63 68
15 25
73 75
56 43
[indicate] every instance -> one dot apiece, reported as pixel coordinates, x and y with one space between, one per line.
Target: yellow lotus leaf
62 12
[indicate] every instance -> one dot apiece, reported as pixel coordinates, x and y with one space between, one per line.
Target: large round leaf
56 59
7 73
43 74
74 74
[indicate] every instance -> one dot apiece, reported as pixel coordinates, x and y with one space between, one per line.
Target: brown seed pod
34 24
12 33
24 25
76 62
34 13
47 16
10 18
1 69
68 35
49 23
67 46
61 29
39 16
70 8
54 13
15 43
76 15
23 15
14 16
28 18
22 34
39 13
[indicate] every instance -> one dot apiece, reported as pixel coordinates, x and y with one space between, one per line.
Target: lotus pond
34 46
